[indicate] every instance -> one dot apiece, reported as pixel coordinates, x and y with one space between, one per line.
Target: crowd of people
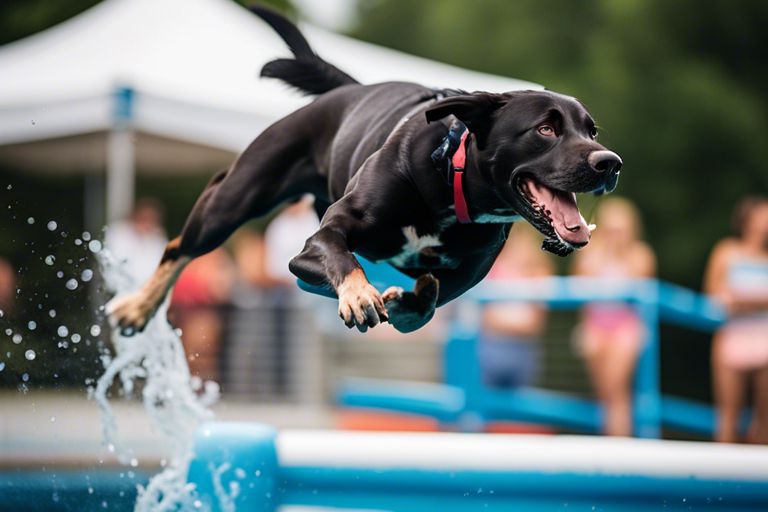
609 336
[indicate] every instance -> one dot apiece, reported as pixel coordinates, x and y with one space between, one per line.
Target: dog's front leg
327 260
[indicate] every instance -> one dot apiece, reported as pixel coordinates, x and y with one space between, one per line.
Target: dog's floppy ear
474 110
469 108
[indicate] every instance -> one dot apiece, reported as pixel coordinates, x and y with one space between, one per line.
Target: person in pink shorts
611 334
737 276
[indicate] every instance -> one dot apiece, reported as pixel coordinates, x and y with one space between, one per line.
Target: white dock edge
461 472
499 452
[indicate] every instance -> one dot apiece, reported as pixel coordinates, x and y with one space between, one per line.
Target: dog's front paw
360 304
409 311
130 313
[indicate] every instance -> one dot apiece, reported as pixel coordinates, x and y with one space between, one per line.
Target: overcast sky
336 15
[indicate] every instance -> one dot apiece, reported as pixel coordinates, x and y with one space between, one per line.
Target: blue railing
464 402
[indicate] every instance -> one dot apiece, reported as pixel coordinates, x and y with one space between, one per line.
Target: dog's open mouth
556 214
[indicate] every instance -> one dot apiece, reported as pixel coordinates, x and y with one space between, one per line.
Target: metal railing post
647 389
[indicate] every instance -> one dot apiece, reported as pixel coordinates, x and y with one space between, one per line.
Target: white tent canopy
170 71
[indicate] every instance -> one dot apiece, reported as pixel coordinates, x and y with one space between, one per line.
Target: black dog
365 152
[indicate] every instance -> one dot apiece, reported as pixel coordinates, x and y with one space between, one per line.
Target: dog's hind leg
275 168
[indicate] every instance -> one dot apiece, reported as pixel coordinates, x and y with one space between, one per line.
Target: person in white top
285 237
139 241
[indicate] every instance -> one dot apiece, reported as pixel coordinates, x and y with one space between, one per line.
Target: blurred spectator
139 241
269 304
249 253
200 293
285 238
509 346
611 334
7 286
737 276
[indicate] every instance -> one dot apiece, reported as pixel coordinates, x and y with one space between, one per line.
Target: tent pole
121 171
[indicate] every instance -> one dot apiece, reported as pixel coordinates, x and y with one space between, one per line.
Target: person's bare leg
619 368
595 355
729 389
758 431
201 335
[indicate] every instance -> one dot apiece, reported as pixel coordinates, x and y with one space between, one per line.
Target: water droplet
30 220
52 225
78 241
111 447
2 366
75 338
53 419
50 260
52 313
95 330
17 338
86 236
62 331
25 377
86 275
90 490
71 284
2 313
134 462
59 274
30 355
9 187
8 331
94 246
31 325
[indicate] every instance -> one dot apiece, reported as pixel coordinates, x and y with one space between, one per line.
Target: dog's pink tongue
566 218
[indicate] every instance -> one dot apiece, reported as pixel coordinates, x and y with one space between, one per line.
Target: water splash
225 497
174 401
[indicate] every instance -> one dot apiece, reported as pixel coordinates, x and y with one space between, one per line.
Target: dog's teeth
592 227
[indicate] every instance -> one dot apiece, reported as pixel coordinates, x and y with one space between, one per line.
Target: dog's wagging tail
307 72
377 159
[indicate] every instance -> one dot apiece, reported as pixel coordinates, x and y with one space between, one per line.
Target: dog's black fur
364 152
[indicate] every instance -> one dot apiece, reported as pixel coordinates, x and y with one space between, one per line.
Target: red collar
458 161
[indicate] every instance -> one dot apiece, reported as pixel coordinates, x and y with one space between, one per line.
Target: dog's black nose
605 161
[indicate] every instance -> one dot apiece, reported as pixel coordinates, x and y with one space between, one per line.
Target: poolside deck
64 428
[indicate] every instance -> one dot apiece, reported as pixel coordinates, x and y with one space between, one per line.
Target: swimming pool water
92 490
82 490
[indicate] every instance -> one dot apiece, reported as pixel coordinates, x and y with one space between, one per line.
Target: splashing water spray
175 402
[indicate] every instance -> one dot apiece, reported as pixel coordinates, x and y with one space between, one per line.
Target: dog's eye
546 130
593 132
